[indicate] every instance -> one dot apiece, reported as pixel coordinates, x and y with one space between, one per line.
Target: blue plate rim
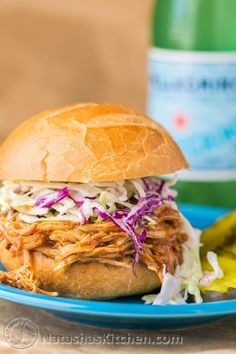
113 309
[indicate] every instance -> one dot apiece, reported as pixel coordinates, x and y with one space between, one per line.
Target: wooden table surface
218 337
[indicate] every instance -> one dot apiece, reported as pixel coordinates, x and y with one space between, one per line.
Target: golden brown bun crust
89 142
87 281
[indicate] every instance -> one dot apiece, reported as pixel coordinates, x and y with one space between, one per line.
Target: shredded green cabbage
78 205
176 288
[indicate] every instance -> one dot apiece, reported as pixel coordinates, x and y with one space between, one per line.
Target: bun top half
89 142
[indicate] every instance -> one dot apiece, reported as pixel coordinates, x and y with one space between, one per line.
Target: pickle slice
221 239
219 234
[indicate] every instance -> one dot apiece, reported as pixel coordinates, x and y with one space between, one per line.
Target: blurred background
60 52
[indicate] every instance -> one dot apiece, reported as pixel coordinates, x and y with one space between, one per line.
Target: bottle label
193 95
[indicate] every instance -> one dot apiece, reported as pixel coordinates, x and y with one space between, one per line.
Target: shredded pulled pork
23 278
68 242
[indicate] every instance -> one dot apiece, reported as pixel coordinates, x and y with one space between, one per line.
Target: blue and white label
193 95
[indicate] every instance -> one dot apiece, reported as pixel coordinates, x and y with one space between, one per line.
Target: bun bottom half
88 280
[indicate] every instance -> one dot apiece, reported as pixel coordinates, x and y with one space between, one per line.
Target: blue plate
131 312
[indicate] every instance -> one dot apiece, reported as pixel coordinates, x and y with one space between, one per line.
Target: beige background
55 52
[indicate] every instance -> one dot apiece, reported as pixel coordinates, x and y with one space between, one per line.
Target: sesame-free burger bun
89 142
89 280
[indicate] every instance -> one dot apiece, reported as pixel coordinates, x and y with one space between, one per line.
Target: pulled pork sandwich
81 214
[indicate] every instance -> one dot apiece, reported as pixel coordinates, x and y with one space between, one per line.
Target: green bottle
192 92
